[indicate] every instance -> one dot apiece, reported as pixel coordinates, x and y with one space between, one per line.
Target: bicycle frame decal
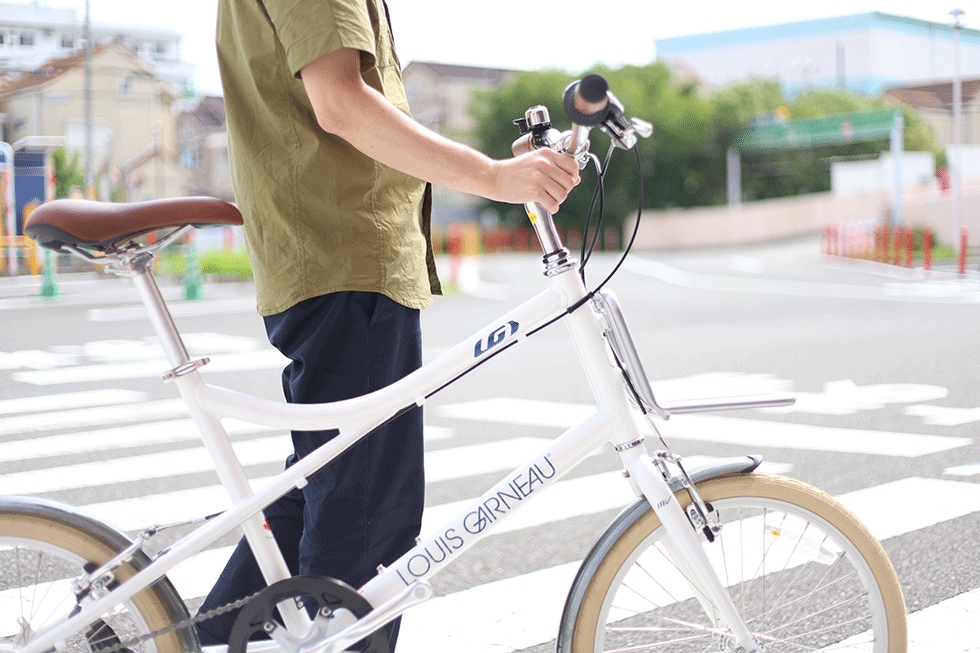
487 510
498 336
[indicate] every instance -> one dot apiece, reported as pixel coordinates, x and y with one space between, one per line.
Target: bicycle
720 558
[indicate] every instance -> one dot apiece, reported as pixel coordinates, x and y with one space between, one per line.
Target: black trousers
364 509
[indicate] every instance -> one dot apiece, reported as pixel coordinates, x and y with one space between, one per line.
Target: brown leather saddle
107 226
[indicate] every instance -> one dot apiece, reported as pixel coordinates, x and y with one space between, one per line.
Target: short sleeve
309 29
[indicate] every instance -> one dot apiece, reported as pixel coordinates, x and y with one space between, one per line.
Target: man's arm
347 107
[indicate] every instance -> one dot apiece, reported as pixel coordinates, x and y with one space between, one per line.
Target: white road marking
89 417
110 439
970 469
524 611
706 428
87 399
940 628
444 465
264 359
944 415
180 430
927 291
177 309
846 398
569 498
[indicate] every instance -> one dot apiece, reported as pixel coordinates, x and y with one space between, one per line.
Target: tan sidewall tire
152 609
749 485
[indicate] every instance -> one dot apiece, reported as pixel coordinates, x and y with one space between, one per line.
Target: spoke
819 612
788 640
806 597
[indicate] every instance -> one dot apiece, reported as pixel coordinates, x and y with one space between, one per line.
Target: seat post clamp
186 368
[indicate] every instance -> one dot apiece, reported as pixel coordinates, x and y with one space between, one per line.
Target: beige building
133 131
934 103
441 98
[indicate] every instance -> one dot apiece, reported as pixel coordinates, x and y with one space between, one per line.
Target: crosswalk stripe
68 400
89 417
443 465
170 431
493 617
264 359
725 430
570 498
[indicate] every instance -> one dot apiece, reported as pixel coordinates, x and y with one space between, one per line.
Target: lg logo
498 336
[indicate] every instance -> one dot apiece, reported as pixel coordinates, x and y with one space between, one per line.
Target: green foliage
67 172
684 163
224 264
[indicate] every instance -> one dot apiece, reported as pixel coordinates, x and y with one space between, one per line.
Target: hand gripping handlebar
588 103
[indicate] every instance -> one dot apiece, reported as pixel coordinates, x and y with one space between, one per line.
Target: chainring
325 592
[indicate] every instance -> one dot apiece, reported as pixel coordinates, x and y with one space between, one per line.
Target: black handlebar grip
593 88
586 102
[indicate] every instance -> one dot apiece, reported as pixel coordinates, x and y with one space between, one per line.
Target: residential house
133 129
203 145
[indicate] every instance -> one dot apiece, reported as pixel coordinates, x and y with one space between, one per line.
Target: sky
568 34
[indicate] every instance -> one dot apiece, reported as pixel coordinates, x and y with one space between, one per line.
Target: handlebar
587 103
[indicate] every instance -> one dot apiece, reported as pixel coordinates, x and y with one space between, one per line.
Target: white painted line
570 498
944 415
177 309
89 417
706 428
783 435
910 504
927 292
970 469
264 359
110 439
138 468
148 433
524 611
940 628
444 465
89 399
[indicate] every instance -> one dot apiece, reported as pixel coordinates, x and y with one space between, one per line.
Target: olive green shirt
320 216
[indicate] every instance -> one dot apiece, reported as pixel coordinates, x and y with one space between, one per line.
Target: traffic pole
963 240
909 246
49 279
927 249
193 287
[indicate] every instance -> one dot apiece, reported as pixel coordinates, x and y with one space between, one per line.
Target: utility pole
89 155
957 176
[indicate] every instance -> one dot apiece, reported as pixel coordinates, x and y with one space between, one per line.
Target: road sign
826 130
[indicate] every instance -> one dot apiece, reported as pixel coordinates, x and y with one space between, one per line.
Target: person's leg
364 509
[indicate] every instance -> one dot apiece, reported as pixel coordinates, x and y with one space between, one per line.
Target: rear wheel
804 574
43 548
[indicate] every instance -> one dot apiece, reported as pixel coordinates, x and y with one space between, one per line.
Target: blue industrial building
865 53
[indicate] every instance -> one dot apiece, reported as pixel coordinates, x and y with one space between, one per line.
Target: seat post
156 307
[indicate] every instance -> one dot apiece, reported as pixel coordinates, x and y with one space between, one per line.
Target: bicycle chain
180 625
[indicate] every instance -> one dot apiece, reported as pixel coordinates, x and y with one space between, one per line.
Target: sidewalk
95 289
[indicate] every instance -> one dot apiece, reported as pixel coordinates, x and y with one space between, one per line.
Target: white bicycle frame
404 583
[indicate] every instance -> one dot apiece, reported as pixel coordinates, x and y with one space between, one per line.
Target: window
27 38
67 41
126 84
3 38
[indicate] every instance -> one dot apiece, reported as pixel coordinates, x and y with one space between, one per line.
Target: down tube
448 542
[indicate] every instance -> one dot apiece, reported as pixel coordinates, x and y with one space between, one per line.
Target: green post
193 288
49 276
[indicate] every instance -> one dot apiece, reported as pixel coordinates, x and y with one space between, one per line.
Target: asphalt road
870 349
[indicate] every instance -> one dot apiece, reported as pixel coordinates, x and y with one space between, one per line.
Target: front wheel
803 572
44 546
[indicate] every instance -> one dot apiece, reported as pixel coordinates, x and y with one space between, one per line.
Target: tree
684 163
67 172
